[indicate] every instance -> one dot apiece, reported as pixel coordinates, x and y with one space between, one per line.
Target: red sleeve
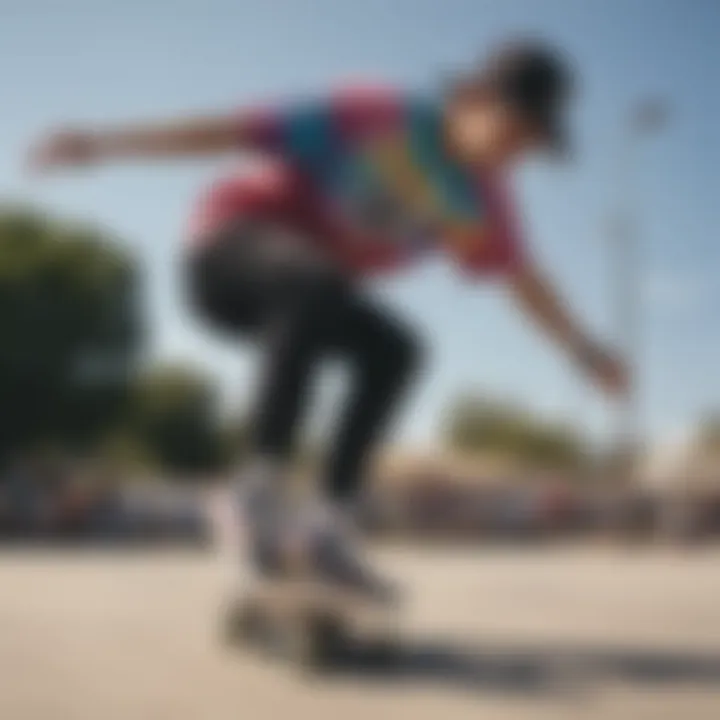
310 128
262 128
364 108
501 248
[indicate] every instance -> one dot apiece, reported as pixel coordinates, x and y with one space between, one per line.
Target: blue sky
103 61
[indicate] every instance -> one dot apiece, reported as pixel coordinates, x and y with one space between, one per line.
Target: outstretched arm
194 137
303 130
538 299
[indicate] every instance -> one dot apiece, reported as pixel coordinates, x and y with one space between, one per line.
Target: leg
325 317
384 356
270 286
305 314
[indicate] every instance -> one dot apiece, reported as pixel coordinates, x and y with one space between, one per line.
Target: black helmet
536 80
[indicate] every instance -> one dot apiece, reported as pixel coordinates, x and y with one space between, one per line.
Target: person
367 180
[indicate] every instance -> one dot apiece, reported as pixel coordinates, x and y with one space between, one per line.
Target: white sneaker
333 548
260 512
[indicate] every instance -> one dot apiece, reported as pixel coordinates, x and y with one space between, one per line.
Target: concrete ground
588 633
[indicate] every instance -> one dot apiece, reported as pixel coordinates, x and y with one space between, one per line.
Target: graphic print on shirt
399 187
377 166
375 198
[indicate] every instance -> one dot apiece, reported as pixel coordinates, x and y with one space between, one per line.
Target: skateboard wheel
384 653
316 642
244 623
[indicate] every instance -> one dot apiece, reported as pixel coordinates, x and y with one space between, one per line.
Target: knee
404 353
323 292
316 303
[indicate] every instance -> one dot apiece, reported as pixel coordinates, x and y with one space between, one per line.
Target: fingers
615 379
43 157
608 371
36 161
66 148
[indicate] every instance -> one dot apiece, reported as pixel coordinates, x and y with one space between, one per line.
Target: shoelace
335 559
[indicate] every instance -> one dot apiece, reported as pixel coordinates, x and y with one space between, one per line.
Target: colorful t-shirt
366 174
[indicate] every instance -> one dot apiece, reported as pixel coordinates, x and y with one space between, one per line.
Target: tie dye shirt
366 173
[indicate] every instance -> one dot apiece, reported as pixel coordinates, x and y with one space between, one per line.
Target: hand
606 368
67 148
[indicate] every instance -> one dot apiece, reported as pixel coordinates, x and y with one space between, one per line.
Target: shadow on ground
542 669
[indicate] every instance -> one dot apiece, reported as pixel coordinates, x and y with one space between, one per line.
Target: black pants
265 285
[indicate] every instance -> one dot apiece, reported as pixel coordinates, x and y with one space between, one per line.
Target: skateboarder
364 181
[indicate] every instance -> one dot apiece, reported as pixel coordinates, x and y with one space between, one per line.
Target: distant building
399 467
681 465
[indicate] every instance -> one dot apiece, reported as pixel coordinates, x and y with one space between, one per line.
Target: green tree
71 329
235 439
476 425
174 417
709 432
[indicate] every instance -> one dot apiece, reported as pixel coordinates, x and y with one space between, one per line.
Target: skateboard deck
311 624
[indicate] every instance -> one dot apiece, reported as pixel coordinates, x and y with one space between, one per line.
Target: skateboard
311 625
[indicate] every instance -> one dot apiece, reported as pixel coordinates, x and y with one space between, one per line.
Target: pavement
591 633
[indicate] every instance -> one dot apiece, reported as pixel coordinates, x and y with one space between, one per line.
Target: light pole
646 117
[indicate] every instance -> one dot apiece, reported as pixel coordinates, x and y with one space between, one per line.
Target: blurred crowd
47 501
528 510
50 502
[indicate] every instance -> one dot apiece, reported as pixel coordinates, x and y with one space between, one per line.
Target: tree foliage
72 319
71 328
173 414
475 425
709 432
